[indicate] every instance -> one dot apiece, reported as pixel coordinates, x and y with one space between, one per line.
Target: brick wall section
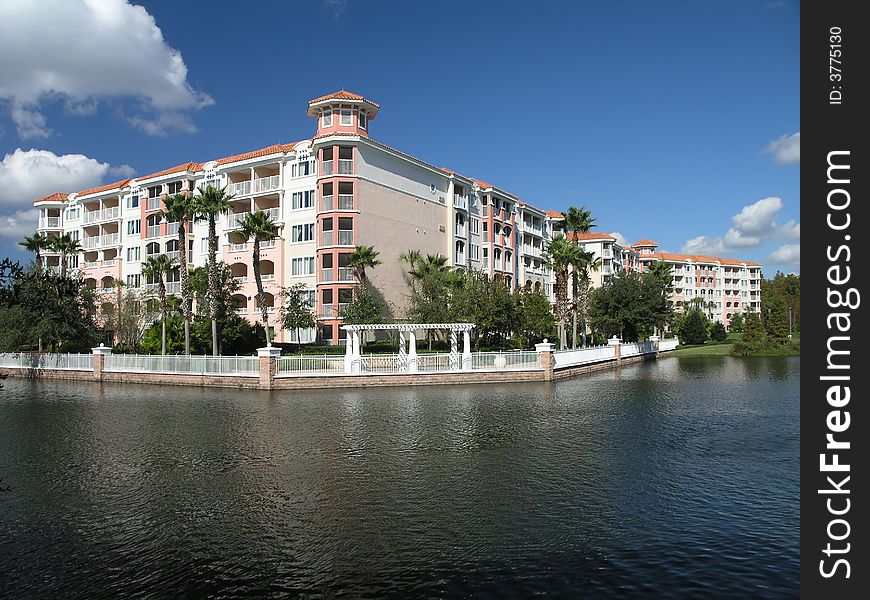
548 363
268 369
99 364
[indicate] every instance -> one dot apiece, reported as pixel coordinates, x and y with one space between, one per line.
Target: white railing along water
244 366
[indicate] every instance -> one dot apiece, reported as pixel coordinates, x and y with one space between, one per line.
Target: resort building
725 286
328 194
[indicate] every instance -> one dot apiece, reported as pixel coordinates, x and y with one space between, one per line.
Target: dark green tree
630 306
694 328
718 333
736 324
297 313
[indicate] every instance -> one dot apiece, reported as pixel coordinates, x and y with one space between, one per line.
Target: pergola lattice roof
408 326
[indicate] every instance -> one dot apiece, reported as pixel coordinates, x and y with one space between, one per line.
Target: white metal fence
46 360
638 348
669 344
310 365
583 356
244 366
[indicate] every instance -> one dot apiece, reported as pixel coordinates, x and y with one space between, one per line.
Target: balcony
238 247
172 228
152 231
459 229
108 262
242 188
173 287
90 264
345 167
266 244
106 214
240 280
460 259
460 201
152 204
267 184
50 223
267 277
100 240
173 255
532 251
529 227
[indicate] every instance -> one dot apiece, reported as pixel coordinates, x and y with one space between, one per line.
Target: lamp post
789 322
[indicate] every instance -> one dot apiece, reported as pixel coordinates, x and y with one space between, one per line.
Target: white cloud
15 226
620 239
786 149
751 227
787 254
26 175
84 52
336 7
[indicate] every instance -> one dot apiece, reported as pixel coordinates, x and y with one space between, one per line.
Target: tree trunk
185 284
213 282
162 317
574 293
261 295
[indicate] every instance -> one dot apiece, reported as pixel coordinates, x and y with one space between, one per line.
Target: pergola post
466 350
454 351
348 353
412 351
356 359
403 355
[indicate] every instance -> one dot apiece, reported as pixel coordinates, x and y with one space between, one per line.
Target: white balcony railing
345 167
173 287
152 231
267 276
266 244
152 204
242 188
238 247
90 264
172 228
50 223
459 229
267 184
109 262
240 280
106 214
100 240
345 274
459 201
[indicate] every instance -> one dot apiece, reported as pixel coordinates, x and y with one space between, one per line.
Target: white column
412 352
355 365
466 350
403 355
454 351
348 353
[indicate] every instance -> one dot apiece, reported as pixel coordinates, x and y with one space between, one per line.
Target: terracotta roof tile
188 166
590 235
645 243
55 197
672 256
555 214
104 188
273 149
343 95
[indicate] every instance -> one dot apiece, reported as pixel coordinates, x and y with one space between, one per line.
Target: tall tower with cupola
342 120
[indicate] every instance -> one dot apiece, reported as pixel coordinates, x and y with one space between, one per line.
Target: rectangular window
175 187
133 201
73 214
303 233
363 120
203 246
133 281
133 254
346 117
133 227
302 266
154 191
301 169
303 199
475 225
327 118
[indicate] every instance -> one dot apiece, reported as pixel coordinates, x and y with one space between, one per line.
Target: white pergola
408 335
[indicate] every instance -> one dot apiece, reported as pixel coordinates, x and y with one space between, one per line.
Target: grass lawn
710 348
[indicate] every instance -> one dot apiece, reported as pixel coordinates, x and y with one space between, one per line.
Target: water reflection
675 477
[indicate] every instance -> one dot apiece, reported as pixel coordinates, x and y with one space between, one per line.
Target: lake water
670 479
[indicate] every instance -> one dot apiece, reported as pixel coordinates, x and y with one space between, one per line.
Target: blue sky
675 121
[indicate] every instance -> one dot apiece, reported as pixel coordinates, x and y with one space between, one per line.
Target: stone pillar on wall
268 365
615 342
100 354
655 340
548 360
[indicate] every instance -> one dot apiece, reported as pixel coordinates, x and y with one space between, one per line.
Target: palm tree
432 263
209 205
577 220
66 245
259 227
360 259
560 255
156 267
179 208
36 244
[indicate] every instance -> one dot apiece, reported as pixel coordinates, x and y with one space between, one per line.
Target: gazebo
408 336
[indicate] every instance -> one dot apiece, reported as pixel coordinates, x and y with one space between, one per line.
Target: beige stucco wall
395 222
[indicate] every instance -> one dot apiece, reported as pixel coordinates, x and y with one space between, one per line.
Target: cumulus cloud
336 7
787 254
87 52
26 175
14 226
754 225
785 149
620 239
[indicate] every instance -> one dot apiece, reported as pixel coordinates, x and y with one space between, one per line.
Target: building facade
328 194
